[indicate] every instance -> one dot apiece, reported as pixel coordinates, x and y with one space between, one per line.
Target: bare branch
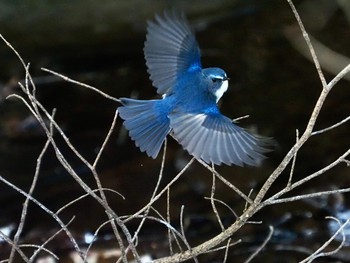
26 202
309 44
212 193
160 176
305 196
42 246
106 140
293 161
262 246
15 246
183 231
234 188
331 127
80 84
257 205
306 179
223 203
48 211
161 192
35 107
168 220
118 223
226 250
338 77
318 252
86 195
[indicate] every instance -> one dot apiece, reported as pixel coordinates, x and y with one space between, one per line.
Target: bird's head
217 81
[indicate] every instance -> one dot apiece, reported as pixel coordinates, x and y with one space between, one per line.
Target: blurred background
258 44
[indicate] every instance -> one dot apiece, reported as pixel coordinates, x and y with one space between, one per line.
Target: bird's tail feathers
146 127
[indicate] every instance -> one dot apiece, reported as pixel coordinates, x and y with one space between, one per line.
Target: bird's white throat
220 91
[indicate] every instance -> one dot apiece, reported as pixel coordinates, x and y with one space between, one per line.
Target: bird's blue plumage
171 51
147 123
189 104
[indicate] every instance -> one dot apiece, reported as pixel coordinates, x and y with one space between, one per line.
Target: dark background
100 44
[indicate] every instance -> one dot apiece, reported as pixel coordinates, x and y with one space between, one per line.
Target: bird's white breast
220 91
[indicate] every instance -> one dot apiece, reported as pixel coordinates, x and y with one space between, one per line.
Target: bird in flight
188 107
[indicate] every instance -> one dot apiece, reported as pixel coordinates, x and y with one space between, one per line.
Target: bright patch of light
6 230
88 238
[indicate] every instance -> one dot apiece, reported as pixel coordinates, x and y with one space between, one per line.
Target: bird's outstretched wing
215 139
171 50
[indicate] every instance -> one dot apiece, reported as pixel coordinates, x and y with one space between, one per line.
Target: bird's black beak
226 78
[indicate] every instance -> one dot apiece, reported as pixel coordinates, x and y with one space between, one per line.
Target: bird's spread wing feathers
171 50
215 139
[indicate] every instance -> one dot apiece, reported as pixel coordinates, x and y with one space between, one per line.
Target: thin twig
234 188
224 204
226 250
306 179
172 233
80 84
293 161
42 246
34 108
160 176
212 194
273 201
18 250
309 44
84 196
105 140
183 231
240 118
168 219
48 211
262 246
41 249
338 77
318 252
94 238
161 192
246 204
223 247
331 127
26 202
163 222
103 201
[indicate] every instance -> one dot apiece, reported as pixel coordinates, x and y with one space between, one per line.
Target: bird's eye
216 80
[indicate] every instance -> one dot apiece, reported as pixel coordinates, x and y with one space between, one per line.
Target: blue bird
188 108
